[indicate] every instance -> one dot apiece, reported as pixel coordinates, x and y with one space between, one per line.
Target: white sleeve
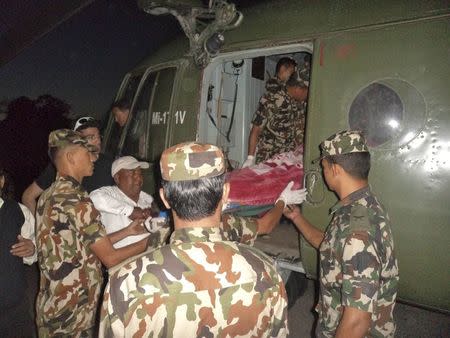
27 231
147 199
105 201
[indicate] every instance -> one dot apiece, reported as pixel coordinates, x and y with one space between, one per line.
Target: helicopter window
135 138
151 108
131 88
159 112
128 93
378 112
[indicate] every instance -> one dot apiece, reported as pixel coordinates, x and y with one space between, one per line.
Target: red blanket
262 184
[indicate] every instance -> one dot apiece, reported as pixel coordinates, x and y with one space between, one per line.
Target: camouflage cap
344 142
62 138
303 82
191 161
304 76
297 81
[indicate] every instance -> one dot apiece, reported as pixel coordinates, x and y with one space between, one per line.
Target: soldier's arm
258 123
313 235
239 229
110 256
134 228
354 323
30 195
94 236
253 139
268 222
361 268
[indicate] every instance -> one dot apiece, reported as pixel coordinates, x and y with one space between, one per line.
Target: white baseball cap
127 162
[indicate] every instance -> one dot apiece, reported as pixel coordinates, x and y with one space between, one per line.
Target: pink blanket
262 184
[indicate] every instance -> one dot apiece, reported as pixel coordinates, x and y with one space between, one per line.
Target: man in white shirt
124 202
26 241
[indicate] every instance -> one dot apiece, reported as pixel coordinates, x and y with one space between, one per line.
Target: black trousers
16 321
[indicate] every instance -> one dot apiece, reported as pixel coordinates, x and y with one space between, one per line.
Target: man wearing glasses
89 128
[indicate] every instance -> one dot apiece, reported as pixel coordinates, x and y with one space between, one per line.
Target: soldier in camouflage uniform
298 91
358 268
305 70
279 122
203 284
70 240
268 135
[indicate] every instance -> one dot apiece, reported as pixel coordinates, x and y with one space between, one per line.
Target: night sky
82 62
84 59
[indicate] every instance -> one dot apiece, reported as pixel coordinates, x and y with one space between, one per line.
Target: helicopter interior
233 86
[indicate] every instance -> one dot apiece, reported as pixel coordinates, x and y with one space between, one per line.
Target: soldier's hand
249 161
137 227
291 212
137 213
23 248
289 196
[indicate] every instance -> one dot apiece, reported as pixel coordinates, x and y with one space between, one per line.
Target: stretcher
254 190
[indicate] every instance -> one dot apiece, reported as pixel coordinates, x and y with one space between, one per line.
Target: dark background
73 70
83 60
62 60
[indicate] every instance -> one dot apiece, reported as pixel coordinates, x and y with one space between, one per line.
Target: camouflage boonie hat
61 138
344 142
191 161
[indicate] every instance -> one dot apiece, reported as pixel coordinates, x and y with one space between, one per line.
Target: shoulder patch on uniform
359 218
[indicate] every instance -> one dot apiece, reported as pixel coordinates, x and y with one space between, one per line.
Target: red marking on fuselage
345 51
322 47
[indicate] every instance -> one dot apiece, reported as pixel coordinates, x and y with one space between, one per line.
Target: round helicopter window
377 111
390 113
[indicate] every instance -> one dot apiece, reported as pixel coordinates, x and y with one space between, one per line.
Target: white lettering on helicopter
162 118
179 116
159 118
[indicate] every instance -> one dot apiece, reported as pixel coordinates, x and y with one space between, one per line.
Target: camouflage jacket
304 72
201 285
71 277
279 116
358 267
239 229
